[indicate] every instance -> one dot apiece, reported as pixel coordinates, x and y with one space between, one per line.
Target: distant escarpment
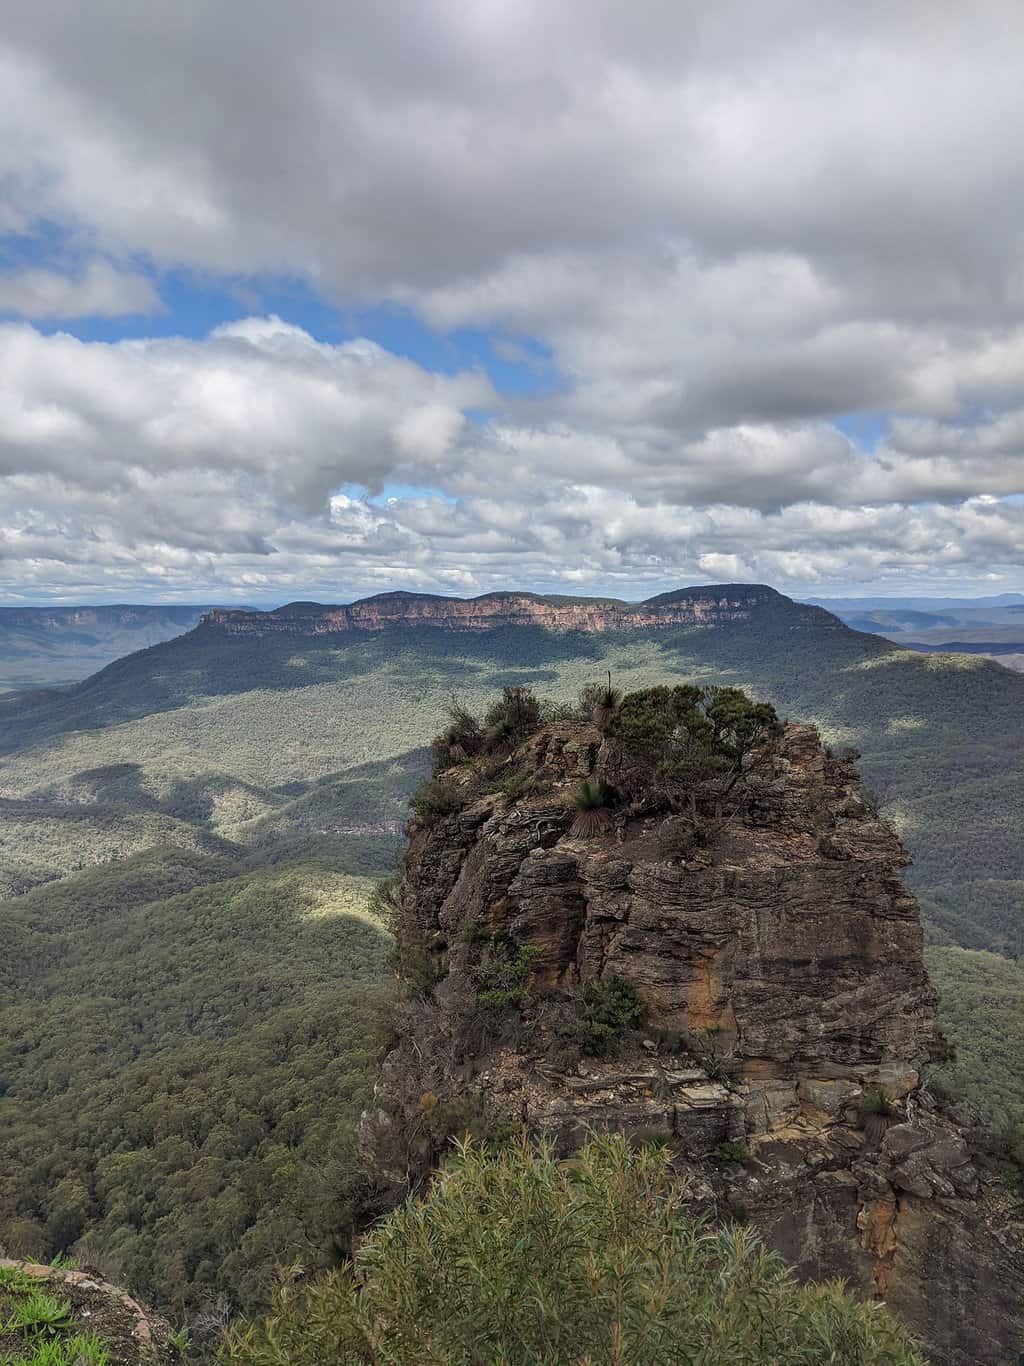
682 921
85 619
706 606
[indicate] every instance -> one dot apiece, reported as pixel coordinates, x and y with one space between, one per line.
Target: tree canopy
515 1257
688 734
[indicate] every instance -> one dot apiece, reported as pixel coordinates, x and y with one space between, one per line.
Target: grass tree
591 804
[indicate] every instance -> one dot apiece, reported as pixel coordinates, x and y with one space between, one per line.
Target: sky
312 300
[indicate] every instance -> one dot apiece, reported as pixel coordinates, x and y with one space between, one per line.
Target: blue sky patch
865 430
518 367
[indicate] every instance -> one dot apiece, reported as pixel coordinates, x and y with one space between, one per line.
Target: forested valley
194 995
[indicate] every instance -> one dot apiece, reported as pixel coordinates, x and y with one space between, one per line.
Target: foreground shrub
686 735
588 1021
606 1008
593 817
465 739
384 904
517 1258
504 976
418 964
466 1117
517 786
433 800
513 717
461 739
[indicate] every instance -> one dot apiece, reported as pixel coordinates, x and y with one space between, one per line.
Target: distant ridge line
703 605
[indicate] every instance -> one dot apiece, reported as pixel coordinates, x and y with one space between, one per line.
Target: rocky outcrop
707 606
128 1333
788 1014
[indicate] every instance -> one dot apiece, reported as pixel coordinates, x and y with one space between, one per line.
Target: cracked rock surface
786 955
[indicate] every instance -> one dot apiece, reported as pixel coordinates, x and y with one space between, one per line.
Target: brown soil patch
131 1335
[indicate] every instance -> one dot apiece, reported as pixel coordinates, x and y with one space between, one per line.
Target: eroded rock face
708 606
785 955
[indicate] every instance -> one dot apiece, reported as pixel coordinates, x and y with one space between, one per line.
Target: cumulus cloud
178 466
730 228
258 403
98 290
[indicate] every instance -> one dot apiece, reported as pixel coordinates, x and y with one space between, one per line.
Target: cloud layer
740 234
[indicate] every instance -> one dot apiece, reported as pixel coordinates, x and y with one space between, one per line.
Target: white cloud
728 226
218 461
98 290
258 400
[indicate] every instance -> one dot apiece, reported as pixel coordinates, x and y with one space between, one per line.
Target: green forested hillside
251 738
190 983
192 1174
184 1048
127 960
983 1013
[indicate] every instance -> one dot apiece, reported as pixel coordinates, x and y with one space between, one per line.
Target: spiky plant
878 1113
502 734
606 701
40 1312
593 817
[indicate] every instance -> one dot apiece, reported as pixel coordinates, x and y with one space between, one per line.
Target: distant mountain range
708 605
47 645
843 605
984 626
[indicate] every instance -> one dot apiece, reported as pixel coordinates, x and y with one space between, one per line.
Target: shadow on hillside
116 785
193 800
206 664
369 799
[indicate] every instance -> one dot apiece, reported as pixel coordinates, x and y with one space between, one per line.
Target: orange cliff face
704 606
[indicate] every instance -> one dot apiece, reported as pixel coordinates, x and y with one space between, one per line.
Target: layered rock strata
788 1013
710 606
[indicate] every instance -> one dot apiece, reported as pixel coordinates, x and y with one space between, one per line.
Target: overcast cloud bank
775 254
